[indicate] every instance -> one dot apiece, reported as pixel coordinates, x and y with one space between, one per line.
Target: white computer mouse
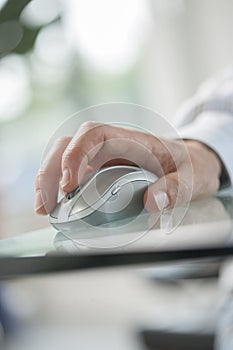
113 193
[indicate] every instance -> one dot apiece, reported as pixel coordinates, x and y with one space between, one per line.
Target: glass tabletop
203 229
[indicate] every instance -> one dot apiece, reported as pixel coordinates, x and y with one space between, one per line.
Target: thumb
168 191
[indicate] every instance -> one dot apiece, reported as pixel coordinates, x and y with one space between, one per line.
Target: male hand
184 172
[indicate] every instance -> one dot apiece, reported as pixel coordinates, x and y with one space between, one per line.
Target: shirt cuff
215 129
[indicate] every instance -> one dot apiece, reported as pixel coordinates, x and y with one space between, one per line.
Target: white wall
190 40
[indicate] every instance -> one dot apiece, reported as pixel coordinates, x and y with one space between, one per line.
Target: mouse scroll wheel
115 190
73 193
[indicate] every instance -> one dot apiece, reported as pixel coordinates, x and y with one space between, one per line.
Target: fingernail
161 200
65 177
40 200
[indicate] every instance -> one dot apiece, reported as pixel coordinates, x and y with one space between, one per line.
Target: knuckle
62 140
88 125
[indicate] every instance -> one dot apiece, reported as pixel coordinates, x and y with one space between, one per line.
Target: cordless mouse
113 193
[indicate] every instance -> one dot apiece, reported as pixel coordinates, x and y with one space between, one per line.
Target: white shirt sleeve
208 117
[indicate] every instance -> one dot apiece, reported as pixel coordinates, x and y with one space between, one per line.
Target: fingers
48 177
82 148
96 144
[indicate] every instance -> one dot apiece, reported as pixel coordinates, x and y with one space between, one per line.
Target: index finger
101 143
48 177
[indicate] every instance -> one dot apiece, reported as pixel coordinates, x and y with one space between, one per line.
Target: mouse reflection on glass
180 170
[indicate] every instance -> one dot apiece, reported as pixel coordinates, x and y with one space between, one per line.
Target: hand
96 145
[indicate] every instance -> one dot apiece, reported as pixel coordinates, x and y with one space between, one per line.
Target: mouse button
108 176
115 190
127 200
87 199
140 175
79 205
54 213
120 197
71 194
61 212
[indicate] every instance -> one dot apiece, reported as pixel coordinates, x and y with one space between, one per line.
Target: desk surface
205 225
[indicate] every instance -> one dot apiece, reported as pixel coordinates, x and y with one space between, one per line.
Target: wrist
212 160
